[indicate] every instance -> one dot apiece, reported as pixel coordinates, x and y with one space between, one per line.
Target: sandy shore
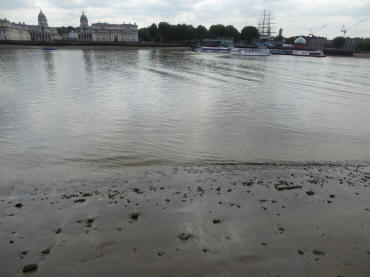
234 220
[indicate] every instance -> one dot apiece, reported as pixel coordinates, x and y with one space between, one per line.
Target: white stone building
106 32
13 31
115 32
84 32
42 31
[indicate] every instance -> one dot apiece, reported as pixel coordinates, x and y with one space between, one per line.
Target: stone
216 221
45 252
134 216
30 268
160 253
90 220
80 200
310 192
184 236
318 252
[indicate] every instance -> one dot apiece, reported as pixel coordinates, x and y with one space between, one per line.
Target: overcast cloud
296 17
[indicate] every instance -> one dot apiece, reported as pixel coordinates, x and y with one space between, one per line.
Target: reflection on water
113 108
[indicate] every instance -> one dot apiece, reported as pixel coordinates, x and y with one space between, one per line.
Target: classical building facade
115 32
106 32
42 31
13 31
84 31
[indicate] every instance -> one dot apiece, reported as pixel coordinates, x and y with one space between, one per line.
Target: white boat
250 52
304 53
212 49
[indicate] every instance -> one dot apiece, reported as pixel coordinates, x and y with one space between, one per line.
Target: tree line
165 32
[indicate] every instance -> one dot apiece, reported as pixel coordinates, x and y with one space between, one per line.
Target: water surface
111 108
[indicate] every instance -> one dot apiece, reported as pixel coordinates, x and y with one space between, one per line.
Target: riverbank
363 54
216 220
95 47
91 45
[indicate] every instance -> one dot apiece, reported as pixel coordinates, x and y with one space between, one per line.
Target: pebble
30 268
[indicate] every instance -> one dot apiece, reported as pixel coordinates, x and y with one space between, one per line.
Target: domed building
43 22
83 20
84 31
42 31
106 32
300 42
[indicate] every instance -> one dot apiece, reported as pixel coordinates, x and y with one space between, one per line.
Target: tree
249 33
217 31
279 38
144 34
164 31
339 42
231 31
364 44
290 40
65 30
201 32
153 31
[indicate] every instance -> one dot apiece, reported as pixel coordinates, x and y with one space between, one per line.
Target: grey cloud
16 4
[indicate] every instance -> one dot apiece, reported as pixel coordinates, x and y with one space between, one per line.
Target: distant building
300 42
227 42
13 31
106 32
280 32
84 31
72 35
42 31
115 32
317 43
351 43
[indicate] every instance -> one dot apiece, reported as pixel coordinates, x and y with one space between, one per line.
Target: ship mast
265 26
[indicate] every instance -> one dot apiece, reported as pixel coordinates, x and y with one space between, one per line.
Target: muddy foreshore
216 220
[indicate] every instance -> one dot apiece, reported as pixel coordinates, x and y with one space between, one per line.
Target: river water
111 108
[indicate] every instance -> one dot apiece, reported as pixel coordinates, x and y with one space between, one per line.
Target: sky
295 17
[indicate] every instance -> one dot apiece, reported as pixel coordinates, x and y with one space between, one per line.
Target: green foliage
65 30
290 40
231 31
279 38
222 31
364 44
166 32
144 34
217 31
249 33
153 31
201 32
339 42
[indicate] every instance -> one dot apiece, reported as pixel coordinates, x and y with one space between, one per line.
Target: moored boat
304 53
208 49
250 52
